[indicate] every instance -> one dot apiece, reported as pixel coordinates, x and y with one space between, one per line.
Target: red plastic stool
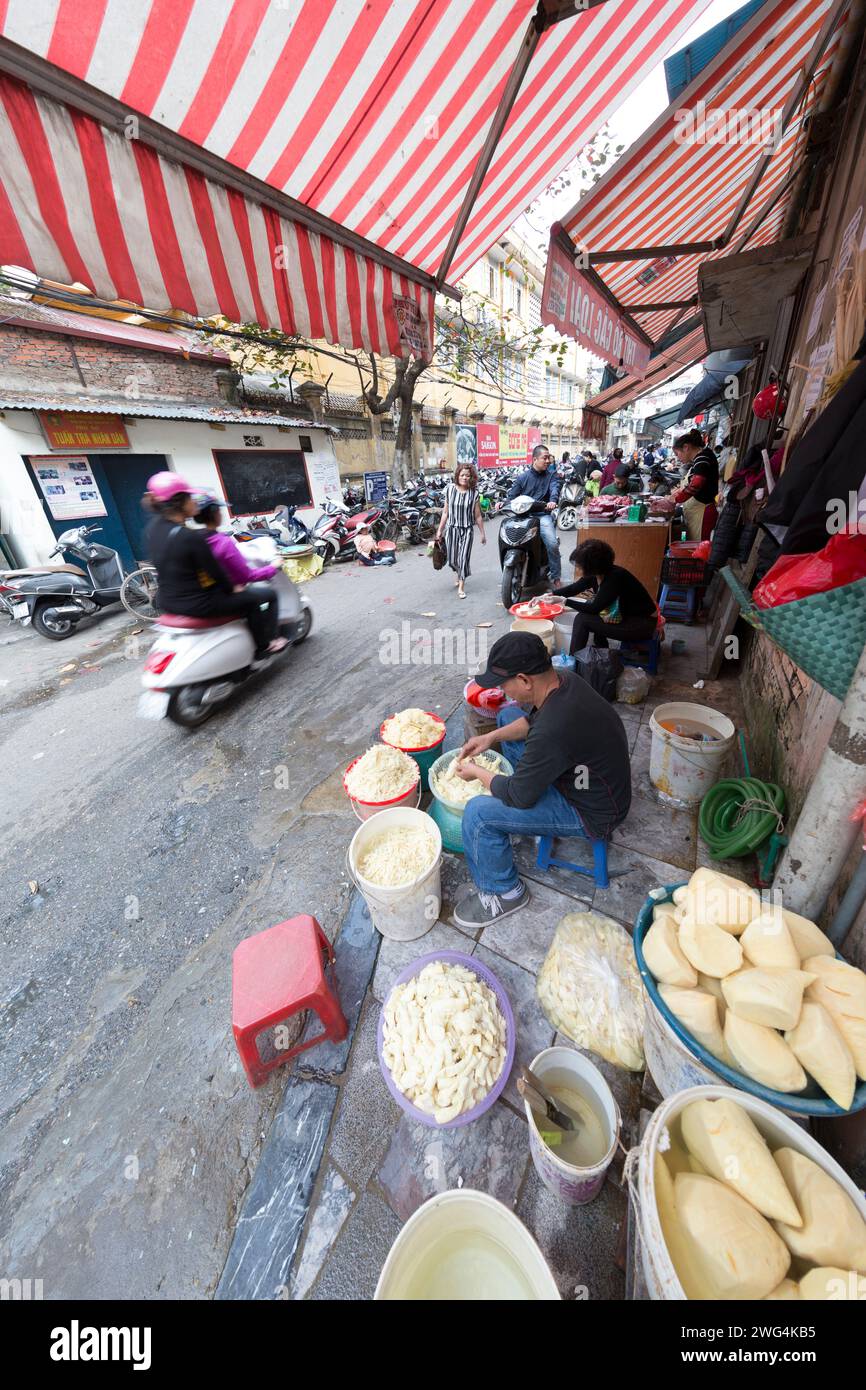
275 974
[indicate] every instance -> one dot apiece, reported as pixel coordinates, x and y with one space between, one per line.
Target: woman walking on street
462 510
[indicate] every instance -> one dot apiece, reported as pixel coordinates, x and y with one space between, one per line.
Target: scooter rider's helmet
206 505
163 487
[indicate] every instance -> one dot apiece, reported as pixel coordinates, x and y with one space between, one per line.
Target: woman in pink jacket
231 559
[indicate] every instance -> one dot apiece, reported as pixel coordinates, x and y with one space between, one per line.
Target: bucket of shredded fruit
380 778
418 733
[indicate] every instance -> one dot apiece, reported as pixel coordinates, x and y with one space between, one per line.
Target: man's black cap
622 470
515 654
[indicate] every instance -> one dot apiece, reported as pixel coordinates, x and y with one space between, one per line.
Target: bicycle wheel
138 594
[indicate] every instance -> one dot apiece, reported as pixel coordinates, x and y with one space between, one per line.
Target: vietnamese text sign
68 486
69 429
576 309
513 442
487 437
376 487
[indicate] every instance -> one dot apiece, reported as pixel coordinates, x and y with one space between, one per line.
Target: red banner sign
575 307
488 445
69 429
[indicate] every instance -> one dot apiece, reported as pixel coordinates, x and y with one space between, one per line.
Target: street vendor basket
824 634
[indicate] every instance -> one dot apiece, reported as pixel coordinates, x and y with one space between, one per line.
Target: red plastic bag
702 550
842 561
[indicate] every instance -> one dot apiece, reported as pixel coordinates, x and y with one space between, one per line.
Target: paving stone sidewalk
343 1167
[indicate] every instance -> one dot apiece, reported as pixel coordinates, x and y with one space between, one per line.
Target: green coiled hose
731 824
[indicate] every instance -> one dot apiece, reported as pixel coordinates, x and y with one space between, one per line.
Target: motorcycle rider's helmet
162 487
206 503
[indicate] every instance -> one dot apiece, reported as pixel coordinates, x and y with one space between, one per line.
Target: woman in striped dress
461 512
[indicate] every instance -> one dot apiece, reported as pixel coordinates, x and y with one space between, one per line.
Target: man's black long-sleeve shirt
541 487
577 744
188 573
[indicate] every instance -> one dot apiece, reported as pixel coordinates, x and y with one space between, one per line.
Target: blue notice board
376 487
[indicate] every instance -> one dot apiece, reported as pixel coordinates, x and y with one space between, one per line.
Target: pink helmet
163 486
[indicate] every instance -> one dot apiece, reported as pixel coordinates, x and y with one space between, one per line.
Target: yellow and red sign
70 429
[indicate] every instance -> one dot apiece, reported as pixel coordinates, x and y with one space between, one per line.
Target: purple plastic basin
453 958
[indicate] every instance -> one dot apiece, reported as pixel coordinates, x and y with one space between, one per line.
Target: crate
680 573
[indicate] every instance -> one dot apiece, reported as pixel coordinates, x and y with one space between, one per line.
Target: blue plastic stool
645 654
679 603
599 855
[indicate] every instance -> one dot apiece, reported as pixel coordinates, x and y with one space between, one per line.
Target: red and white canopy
378 117
715 173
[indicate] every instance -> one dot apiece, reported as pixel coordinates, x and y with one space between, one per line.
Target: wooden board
638 547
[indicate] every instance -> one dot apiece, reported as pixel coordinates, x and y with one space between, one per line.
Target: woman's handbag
438 553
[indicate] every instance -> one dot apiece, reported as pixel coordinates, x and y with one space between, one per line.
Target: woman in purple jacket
232 561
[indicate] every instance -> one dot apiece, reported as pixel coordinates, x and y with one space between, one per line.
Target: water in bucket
468 1265
583 1147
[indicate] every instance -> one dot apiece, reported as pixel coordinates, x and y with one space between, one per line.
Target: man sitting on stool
572 772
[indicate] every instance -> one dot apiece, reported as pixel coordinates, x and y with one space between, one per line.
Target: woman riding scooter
192 582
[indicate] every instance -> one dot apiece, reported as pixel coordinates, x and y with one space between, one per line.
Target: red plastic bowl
546 610
379 805
491 699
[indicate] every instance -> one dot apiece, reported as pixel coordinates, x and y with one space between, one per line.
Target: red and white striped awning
681 185
376 115
663 365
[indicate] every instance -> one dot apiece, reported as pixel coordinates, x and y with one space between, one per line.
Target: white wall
187 444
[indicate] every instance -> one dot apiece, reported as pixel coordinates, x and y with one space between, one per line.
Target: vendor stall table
638 546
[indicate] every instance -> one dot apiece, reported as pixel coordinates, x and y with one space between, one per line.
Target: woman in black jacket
191 580
620 606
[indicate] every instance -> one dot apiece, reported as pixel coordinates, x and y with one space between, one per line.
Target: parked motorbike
571 497
522 552
284 527
337 529
56 597
196 664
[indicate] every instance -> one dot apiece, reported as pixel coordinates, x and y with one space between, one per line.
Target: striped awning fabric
373 114
667 363
682 182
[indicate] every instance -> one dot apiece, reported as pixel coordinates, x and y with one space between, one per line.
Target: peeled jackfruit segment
830 1284
719 900
771 997
699 1015
696 1166
664 910
786 1290
763 1054
711 985
833 1231
731 1249
679 894
709 949
722 1136
808 939
662 954
841 988
767 942
674 1239
822 1051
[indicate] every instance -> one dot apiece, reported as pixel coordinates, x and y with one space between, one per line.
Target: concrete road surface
136 856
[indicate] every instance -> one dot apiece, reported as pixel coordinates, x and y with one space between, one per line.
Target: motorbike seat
182 621
35 570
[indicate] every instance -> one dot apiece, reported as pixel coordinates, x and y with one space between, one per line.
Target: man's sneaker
480 909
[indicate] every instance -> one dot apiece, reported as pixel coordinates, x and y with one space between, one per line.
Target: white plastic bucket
669 1062
465 1246
779 1131
681 769
407 912
569 1183
542 627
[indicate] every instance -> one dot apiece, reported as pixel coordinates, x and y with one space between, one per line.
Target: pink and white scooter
196 664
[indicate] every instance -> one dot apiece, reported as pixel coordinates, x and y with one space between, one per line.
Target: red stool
275 974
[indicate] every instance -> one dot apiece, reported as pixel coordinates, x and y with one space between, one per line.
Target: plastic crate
680 573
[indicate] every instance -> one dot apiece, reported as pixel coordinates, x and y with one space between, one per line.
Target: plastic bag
600 667
562 662
633 686
842 561
702 550
590 989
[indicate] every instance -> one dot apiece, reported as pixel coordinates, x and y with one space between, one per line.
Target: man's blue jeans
547 524
488 823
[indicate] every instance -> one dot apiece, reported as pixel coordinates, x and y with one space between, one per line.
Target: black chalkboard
258 480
